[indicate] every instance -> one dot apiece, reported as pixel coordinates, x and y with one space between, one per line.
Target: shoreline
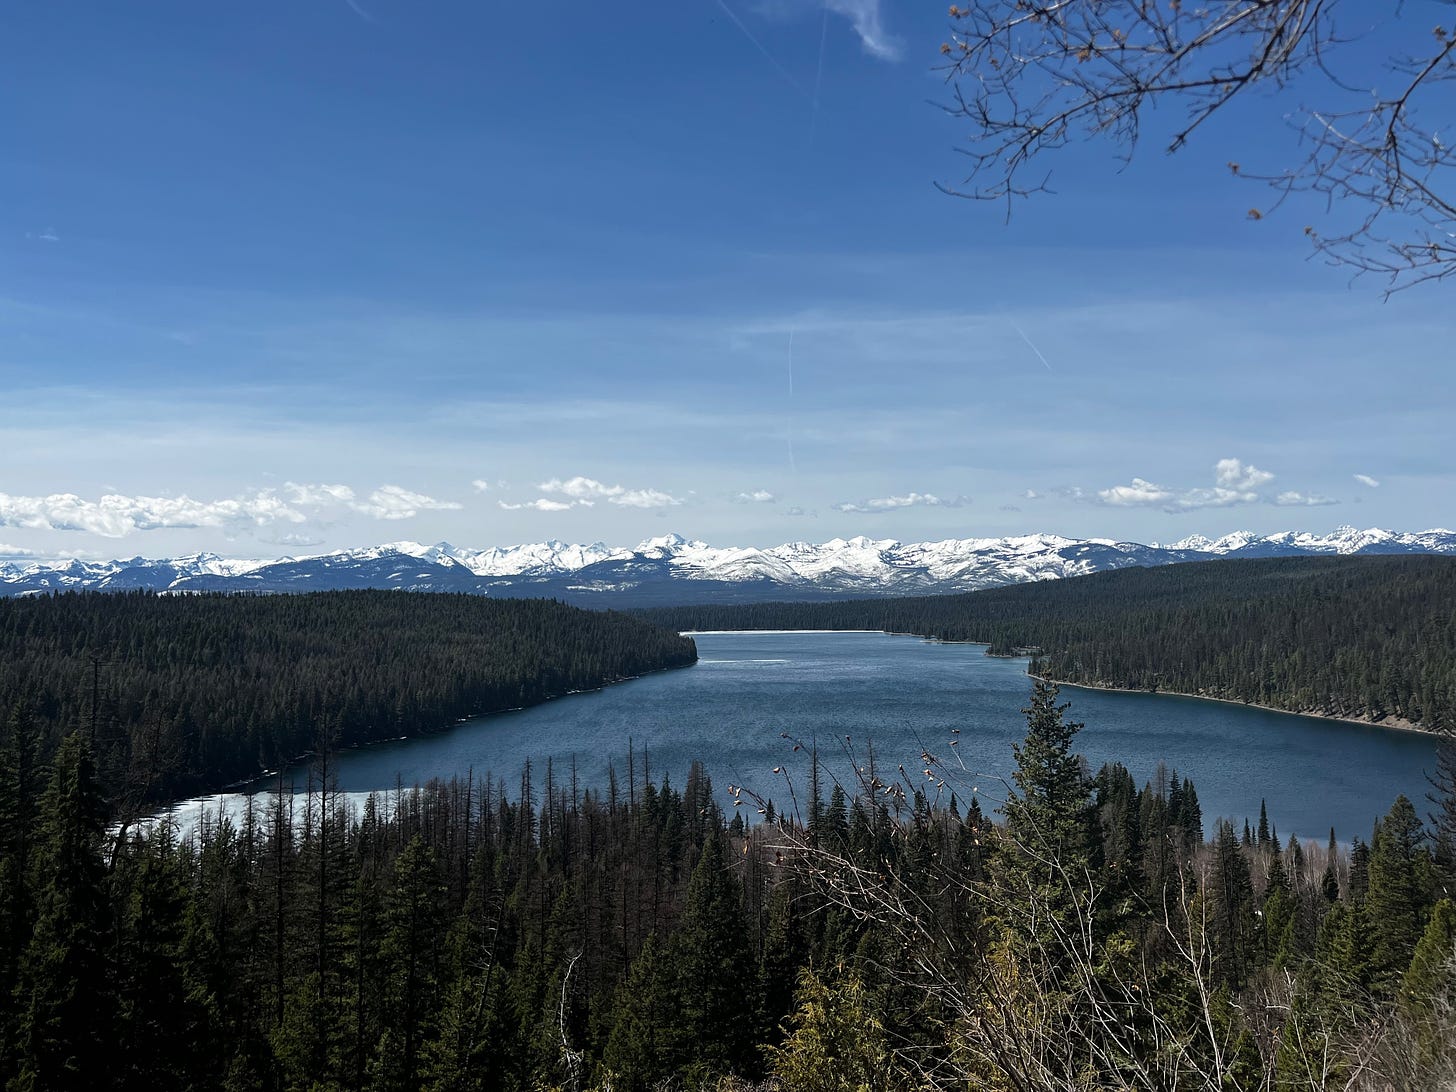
1388 725
249 786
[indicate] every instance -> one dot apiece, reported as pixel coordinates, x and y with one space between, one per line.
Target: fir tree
1399 891
1047 815
716 968
65 987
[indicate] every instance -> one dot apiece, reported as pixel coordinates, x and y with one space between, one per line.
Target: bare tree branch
1032 76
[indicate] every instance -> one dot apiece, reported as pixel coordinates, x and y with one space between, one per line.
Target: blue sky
281 277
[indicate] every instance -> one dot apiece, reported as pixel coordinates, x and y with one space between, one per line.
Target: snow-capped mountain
673 569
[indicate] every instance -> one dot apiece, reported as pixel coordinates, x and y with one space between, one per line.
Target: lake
906 694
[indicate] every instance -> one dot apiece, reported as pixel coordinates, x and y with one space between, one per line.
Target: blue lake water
907 695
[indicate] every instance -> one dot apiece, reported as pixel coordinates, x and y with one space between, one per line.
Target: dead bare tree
1032 76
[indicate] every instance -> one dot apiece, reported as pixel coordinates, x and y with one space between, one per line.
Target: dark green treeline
483 936
188 693
1353 637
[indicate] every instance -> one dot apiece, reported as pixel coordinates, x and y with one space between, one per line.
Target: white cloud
11 552
480 485
293 538
544 504
868 23
318 495
645 498
1239 477
758 496
1236 483
115 515
794 511
396 502
1366 479
1292 499
908 500
585 489
1140 492
1031 494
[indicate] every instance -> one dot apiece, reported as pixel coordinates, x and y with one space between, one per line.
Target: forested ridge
1361 637
1079 935
199 691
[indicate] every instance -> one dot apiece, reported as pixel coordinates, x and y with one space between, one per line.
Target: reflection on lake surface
905 695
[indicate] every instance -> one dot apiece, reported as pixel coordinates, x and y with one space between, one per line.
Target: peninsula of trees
181 694
1367 638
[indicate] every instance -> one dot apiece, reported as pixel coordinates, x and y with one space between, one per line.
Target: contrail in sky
818 76
791 363
357 10
793 465
782 71
1030 344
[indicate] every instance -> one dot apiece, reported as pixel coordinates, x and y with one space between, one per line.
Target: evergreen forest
183 694
1074 931
1358 637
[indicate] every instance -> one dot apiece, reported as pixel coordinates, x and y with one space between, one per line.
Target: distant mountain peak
674 568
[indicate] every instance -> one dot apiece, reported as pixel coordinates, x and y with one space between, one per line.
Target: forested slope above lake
1371 638
196 691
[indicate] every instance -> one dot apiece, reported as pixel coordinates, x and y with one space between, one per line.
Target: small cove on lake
906 694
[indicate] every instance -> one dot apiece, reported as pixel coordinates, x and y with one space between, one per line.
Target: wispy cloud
359 11
317 496
545 504
589 489
47 236
1292 499
8 552
294 538
1367 480
758 496
868 22
396 502
907 500
480 485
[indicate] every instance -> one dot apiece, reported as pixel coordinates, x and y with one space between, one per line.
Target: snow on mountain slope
671 568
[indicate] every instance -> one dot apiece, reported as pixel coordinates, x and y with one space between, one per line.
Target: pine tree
162 1025
648 1039
1399 891
1443 817
717 982
410 954
1047 816
1330 883
22 780
65 987
1231 893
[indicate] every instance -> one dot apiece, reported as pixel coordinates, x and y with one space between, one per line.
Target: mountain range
672 569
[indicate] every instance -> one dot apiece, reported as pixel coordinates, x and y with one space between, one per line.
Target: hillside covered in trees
1367 638
186 693
1078 935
